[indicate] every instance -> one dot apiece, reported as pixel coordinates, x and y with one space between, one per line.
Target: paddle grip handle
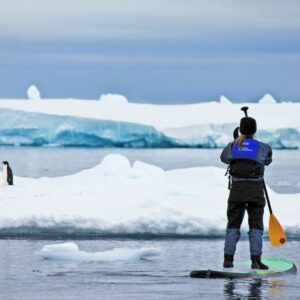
267 196
244 109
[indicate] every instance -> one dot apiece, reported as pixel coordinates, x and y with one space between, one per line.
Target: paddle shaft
267 196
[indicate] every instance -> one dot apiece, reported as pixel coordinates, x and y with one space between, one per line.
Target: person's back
246 158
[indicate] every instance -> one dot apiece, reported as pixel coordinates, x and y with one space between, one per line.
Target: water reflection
253 289
276 288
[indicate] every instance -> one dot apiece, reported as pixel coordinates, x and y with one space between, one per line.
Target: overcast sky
159 51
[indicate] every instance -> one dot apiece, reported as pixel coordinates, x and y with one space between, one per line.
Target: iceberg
115 122
267 98
33 93
224 100
21 128
139 199
113 99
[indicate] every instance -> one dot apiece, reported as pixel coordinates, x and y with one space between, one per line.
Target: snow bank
71 252
139 199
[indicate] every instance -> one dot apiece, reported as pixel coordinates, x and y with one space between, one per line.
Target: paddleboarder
247 158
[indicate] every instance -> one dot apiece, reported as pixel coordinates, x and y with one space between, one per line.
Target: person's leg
231 239
255 209
255 218
255 239
235 215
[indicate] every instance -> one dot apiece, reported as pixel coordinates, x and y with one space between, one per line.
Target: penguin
7 174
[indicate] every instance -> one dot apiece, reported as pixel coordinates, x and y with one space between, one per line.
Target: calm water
23 275
26 276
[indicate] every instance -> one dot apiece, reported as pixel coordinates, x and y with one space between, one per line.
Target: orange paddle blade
277 235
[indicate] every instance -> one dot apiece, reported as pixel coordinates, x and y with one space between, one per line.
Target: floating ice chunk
267 98
113 99
33 93
71 252
115 164
224 100
64 247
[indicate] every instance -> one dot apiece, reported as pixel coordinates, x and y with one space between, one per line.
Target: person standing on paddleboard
247 158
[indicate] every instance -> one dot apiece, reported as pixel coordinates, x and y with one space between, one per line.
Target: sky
158 51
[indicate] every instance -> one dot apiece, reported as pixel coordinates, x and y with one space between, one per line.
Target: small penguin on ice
7 174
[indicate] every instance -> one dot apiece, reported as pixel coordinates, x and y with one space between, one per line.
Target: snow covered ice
113 121
116 197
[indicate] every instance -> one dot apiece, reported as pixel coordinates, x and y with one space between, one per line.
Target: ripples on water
26 276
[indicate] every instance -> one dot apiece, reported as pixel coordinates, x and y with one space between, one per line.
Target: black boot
257 264
228 261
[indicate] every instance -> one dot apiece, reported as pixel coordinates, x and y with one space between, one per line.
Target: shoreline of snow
117 198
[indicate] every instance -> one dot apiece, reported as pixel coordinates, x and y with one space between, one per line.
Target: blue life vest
244 160
248 161
249 150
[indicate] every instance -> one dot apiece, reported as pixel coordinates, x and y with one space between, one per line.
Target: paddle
277 235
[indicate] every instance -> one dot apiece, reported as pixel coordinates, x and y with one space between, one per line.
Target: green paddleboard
277 266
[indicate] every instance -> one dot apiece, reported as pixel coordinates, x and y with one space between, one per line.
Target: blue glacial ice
20 128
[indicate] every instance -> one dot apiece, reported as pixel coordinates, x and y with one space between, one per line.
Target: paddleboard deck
277 266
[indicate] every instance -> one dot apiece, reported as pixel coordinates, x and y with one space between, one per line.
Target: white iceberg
113 99
21 128
224 100
267 99
68 122
33 93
